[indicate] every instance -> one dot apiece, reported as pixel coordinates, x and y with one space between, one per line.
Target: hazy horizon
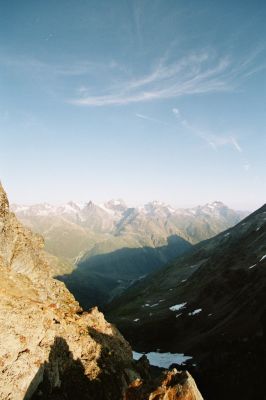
129 203
143 100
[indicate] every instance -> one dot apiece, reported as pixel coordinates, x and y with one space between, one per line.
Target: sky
141 100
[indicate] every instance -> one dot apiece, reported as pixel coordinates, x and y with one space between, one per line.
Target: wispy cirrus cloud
68 68
151 119
196 73
112 83
213 140
189 75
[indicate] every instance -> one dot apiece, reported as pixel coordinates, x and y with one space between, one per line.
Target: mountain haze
105 248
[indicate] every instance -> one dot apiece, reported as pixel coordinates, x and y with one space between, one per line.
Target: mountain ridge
93 241
50 348
110 206
209 303
90 223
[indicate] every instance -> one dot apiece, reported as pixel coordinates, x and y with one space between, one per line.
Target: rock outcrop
172 385
49 347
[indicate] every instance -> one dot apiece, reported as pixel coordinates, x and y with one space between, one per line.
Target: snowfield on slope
195 312
177 307
163 360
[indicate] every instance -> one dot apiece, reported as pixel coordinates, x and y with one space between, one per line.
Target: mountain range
211 304
104 248
50 348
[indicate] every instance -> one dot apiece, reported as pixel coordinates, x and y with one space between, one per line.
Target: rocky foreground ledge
50 348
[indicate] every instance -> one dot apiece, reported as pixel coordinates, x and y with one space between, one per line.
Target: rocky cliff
50 348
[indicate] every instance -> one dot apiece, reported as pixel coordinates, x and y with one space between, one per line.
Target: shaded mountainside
211 304
50 348
99 278
110 246
73 228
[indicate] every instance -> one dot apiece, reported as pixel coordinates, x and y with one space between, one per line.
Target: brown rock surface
49 347
173 385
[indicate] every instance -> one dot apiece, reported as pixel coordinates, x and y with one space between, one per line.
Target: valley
50 348
99 250
132 200
209 304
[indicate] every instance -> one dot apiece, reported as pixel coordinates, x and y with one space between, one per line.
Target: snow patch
116 202
177 307
252 266
263 258
195 312
163 360
107 210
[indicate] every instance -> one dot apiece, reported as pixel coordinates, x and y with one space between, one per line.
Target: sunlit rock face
173 385
49 347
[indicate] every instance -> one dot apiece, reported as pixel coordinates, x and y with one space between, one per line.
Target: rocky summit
50 348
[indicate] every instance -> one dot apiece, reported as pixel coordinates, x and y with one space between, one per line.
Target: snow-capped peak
116 205
157 207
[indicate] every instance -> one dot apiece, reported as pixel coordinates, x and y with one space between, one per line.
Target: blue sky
141 100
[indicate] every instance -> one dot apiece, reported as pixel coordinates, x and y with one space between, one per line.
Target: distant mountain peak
116 204
74 205
90 204
156 204
215 207
216 204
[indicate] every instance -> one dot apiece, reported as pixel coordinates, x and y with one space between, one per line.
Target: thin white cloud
176 112
68 69
151 119
213 140
236 144
137 19
196 73
217 141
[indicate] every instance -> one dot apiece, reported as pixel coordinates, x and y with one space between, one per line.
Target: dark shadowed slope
75 231
100 278
211 303
112 245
